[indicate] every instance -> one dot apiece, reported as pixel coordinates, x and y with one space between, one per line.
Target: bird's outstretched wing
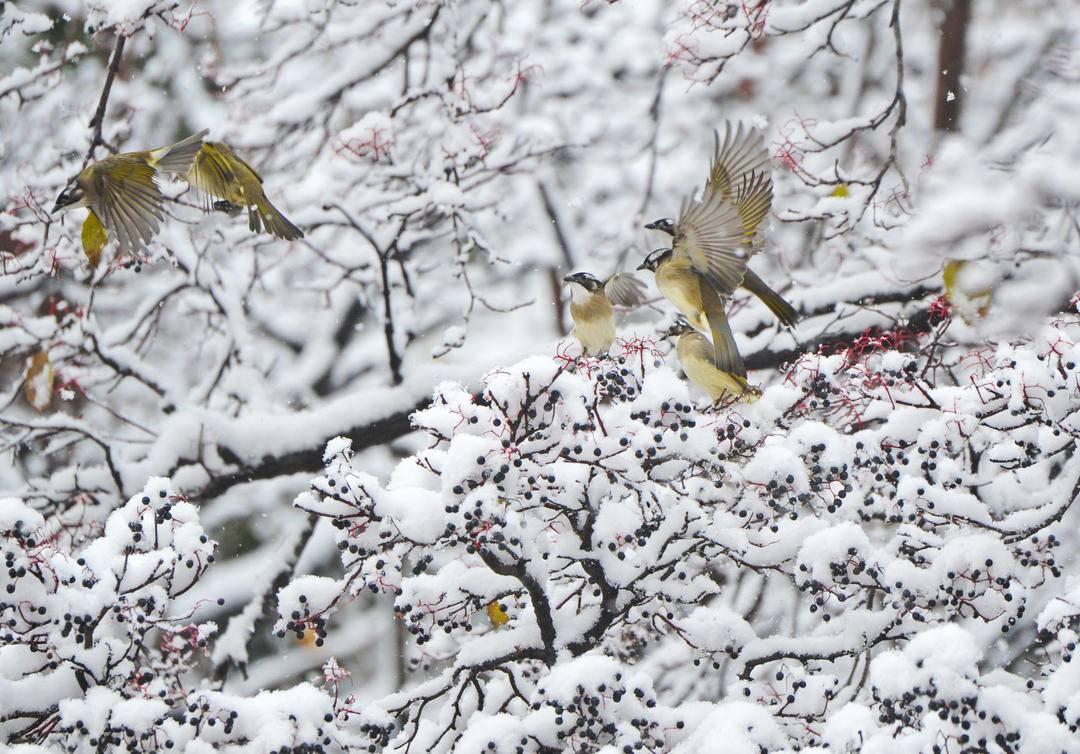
740 151
177 158
129 202
711 237
740 172
753 200
625 289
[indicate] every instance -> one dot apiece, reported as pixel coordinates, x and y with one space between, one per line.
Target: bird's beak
61 201
644 265
653 225
572 278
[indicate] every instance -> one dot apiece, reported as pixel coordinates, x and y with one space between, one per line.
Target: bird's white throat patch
579 294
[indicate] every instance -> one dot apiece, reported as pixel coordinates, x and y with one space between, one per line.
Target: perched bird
219 173
122 190
699 303
739 162
592 303
696 357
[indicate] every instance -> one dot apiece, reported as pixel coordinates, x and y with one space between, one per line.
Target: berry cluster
603 513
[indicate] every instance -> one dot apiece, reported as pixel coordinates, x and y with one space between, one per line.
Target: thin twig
556 224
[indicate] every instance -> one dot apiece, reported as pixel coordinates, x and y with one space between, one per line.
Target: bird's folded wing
625 289
254 172
129 201
741 150
725 353
212 173
711 237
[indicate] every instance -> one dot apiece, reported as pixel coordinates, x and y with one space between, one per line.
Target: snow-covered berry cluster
92 617
96 656
553 522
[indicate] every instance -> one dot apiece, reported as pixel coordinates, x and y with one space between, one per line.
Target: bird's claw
227 207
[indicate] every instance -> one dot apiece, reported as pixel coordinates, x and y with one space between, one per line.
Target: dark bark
951 54
380 432
556 226
98 120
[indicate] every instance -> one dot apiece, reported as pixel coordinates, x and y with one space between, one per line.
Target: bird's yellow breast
682 287
594 322
695 356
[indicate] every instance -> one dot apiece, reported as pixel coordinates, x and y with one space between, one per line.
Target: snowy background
346 494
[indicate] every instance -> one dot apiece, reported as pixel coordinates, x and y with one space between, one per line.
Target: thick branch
380 432
918 324
541 606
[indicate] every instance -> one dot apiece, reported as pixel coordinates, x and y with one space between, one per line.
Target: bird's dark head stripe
71 194
654 259
664 225
680 327
586 280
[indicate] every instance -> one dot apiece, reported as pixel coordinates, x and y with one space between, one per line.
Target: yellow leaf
841 191
308 640
969 303
94 238
952 267
38 383
497 614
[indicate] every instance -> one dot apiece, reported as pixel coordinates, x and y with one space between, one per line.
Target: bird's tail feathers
785 312
177 158
275 223
728 358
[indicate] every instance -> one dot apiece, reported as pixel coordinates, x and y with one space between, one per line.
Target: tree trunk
951 52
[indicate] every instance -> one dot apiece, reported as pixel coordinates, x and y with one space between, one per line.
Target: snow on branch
606 514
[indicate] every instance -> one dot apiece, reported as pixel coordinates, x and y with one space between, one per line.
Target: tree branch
98 120
264 601
380 432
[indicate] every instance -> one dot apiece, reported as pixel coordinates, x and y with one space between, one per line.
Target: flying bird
219 173
707 261
740 175
592 306
122 190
